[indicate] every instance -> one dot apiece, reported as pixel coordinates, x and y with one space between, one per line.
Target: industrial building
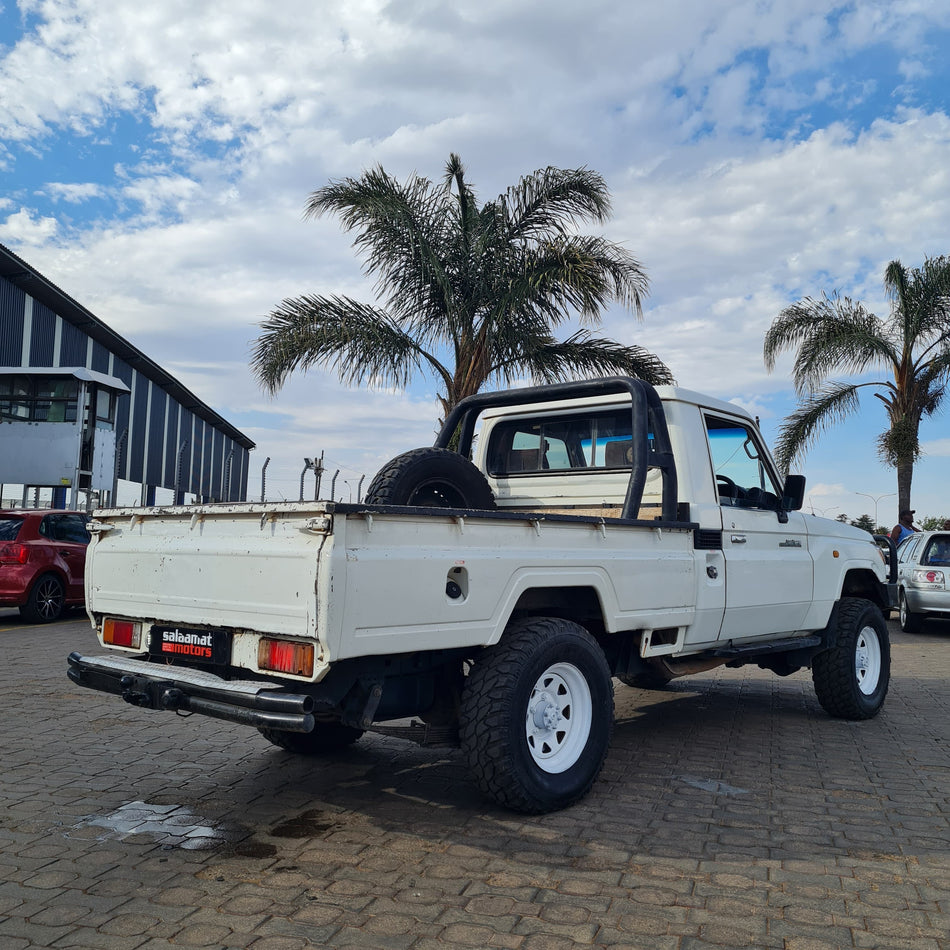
81 408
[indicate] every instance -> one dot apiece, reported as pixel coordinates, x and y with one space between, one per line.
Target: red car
42 559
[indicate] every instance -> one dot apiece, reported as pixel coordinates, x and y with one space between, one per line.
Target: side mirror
793 493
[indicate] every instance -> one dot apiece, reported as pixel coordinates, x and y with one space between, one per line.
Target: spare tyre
430 478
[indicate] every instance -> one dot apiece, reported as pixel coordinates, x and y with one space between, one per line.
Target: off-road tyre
852 677
326 737
909 621
430 478
536 716
46 601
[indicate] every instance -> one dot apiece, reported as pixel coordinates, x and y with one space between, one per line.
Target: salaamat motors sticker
198 645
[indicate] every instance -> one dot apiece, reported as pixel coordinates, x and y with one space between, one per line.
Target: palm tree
471 294
836 334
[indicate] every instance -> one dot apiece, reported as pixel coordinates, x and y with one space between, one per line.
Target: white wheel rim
867 660
903 609
558 718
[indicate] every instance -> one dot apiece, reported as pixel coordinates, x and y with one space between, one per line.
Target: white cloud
74 193
937 448
23 227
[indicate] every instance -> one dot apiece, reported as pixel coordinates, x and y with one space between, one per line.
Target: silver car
923 578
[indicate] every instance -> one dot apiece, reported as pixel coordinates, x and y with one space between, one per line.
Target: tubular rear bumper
248 702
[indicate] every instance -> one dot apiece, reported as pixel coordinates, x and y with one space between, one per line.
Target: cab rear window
561 443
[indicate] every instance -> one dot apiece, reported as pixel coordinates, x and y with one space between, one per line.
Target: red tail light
14 553
286 656
121 633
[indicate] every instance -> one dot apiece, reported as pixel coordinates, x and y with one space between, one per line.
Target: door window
908 548
743 479
69 528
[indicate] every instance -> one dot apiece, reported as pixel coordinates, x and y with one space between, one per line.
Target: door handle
738 539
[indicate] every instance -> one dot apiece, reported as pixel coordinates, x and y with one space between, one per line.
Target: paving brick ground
731 813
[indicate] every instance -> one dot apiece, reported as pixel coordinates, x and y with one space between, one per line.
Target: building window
105 408
38 398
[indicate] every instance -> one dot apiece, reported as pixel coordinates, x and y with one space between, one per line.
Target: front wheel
536 716
910 622
852 677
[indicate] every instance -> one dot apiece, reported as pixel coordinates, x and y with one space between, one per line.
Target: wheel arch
863 583
51 570
582 604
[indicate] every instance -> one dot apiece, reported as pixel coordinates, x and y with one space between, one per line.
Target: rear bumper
15 581
928 601
248 702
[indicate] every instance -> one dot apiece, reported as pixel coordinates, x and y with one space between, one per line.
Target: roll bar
651 439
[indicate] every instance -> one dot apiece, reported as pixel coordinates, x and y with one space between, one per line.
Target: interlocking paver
731 813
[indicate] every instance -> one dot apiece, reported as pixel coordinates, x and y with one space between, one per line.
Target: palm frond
363 344
403 231
818 411
583 356
551 200
584 274
831 334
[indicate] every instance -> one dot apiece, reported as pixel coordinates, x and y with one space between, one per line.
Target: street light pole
876 500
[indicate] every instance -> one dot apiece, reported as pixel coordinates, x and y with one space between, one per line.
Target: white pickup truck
604 529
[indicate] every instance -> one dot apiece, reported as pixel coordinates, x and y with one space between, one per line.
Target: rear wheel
325 737
851 678
910 622
46 601
536 716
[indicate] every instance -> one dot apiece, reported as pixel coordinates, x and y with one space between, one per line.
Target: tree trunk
905 475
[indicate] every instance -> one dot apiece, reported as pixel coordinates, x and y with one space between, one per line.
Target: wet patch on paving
169 825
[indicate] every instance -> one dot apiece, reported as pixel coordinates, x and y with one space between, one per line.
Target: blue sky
156 158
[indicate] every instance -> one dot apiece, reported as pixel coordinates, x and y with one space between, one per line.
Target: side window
743 479
905 551
73 528
70 528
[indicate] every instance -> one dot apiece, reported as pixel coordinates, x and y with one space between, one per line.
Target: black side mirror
793 493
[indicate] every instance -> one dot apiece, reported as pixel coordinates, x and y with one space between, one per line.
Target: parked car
42 560
923 577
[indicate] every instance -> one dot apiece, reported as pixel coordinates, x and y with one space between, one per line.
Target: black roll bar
647 420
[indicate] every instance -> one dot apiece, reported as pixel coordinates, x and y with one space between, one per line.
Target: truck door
769 570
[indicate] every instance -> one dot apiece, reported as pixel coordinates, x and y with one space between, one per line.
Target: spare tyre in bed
430 478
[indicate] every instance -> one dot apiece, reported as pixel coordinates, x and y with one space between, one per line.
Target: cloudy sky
156 159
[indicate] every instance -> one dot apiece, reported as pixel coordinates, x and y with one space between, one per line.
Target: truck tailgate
242 566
